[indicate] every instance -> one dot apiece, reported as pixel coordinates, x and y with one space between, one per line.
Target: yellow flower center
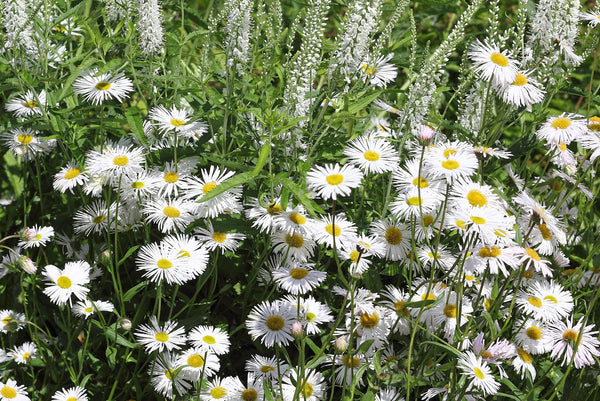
7 320
26 356
427 220
551 299
393 235
450 311
99 219
171 177
209 339
527 274
177 123
535 301
561 123
449 152
351 362
88 309
209 186
161 336
298 273
490 252
525 356
310 316
400 309
354 256
168 374
63 282
570 334
533 254
436 256
486 354
499 59
103 86
450 164
545 232
414 201
428 296
219 237
334 179
72 173
218 392
307 390
183 254
460 224
369 321
421 182
274 209
330 230
249 394
562 146
479 373
275 323
595 124
534 332
487 303
137 184
31 104
266 368
520 80
171 212
371 156
164 264
8 392
297 218
295 240
120 161
477 219
195 361
476 198
24 138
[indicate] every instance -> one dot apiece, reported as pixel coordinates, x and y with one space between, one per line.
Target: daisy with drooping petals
23 353
492 63
524 362
155 337
11 391
69 177
35 236
310 388
332 181
87 308
167 380
265 368
28 104
562 129
94 218
530 257
478 372
379 72
574 343
210 339
99 88
272 323
372 155
298 278
523 91
198 363
71 394
67 282
296 246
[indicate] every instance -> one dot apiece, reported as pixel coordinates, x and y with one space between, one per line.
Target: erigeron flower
532 336
310 388
295 246
198 363
156 337
28 104
478 373
523 91
210 339
23 353
592 17
294 220
87 308
170 214
394 236
11 391
545 301
265 368
167 380
331 181
176 121
574 343
562 129
98 88
71 280
298 278
114 161
35 236
492 63
331 228
263 215
69 177
271 322
213 239
522 362
199 187
71 394
379 72
372 155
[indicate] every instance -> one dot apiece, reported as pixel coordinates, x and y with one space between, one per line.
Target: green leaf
111 356
358 105
309 204
448 348
132 291
364 347
262 157
234 181
368 396
129 252
312 345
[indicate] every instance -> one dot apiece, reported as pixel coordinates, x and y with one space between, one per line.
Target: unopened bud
27 264
105 257
297 329
125 323
27 234
426 133
341 344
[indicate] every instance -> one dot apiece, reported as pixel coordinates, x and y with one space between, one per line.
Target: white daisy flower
310 388
226 202
99 88
167 380
11 391
312 313
332 181
372 155
35 236
394 236
87 308
562 129
198 363
11 321
574 343
170 214
263 215
171 181
545 301
155 337
23 353
592 17
532 336
69 177
379 72
298 278
522 362
210 339
529 257
137 186
271 322
266 368
295 246
327 229
94 218
62 284
415 203
160 262
28 104
176 121
115 161
219 389
294 221
478 372
414 175
26 143
492 63
213 239
189 251
451 161
71 394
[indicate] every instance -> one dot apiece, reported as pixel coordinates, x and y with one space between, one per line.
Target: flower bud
27 264
426 133
341 344
125 323
297 329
